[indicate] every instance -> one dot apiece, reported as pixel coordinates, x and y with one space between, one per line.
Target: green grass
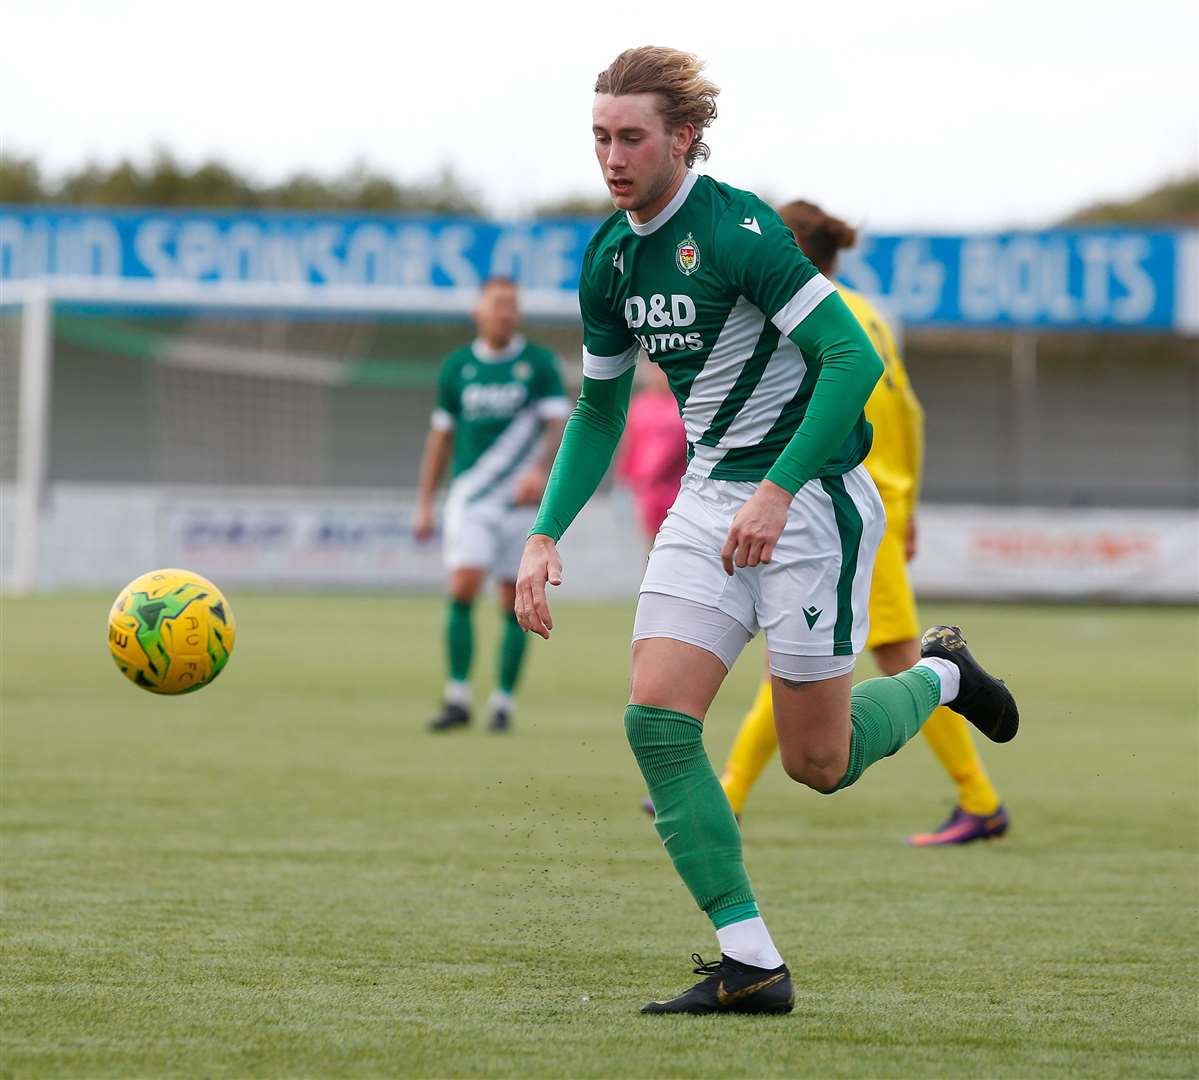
284 875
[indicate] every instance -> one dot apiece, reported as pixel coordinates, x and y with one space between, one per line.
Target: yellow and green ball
171 631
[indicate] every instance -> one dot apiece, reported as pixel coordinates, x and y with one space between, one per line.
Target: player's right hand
756 527
529 487
909 541
422 524
538 565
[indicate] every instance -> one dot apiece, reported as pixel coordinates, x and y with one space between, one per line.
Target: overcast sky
923 114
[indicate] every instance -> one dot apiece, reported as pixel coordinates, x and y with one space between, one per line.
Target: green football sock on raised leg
459 640
512 653
693 816
885 714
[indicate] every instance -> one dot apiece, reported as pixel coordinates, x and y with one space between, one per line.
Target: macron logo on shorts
811 614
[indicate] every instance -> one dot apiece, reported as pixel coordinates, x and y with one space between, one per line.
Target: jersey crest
686 255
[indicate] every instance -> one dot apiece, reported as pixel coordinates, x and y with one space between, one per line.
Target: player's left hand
909 541
756 528
529 487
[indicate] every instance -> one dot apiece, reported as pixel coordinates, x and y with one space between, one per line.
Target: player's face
640 158
498 314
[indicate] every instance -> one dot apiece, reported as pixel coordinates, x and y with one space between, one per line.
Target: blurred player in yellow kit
895 463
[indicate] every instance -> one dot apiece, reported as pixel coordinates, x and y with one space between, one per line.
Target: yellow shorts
892 603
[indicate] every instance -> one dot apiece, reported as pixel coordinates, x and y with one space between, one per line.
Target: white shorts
486 536
812 599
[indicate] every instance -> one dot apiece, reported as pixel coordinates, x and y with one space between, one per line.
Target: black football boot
982 699
730 986
450 718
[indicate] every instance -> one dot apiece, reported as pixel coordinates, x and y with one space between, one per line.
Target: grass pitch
284 875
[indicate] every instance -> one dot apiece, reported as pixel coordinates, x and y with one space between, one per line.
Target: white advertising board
1068 554
95 536
101 537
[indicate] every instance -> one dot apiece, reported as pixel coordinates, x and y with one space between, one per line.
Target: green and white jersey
495 402
716 291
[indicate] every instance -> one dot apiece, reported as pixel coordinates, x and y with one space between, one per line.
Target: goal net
263 445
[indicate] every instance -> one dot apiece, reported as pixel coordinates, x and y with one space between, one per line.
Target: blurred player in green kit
499 416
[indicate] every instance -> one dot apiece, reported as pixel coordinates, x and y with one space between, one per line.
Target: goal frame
35 299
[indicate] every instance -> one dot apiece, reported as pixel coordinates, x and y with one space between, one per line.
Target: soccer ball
171 631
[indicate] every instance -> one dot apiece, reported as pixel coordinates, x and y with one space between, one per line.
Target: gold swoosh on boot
726 999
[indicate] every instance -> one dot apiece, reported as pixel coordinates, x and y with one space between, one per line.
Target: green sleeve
849 368
588 444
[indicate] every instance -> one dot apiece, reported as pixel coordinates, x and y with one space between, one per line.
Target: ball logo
686 255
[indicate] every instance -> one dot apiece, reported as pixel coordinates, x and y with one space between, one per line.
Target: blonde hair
685 96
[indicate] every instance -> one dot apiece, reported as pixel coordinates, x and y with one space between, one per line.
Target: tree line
1176 201
163 180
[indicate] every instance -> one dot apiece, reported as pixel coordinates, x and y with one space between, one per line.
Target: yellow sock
754 745
950 740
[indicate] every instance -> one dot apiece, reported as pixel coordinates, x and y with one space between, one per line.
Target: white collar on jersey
488 355
668 211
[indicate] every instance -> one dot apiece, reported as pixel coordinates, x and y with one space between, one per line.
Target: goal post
33 425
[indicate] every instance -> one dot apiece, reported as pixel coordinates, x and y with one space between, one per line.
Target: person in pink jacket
654 454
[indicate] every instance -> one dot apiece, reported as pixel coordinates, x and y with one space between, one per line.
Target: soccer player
500 411
894 462
776 523
653 455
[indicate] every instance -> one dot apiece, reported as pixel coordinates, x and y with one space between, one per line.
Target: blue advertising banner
298 249
1101 279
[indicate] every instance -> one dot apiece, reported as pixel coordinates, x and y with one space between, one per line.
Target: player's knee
821 772
464 591
465 583
651 685
641 686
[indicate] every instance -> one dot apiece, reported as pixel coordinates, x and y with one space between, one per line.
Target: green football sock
459 640
512 653
885 714
694 818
